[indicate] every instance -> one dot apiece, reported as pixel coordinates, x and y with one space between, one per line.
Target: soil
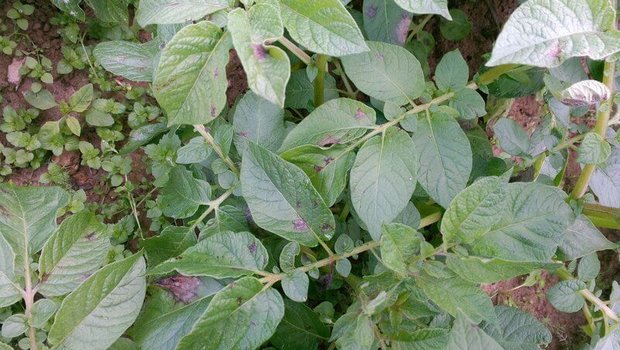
486 16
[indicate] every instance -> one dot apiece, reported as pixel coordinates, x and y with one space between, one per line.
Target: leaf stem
271 278
319 81
304 57
28 295
589 296
213 205
602 121
419 27
209 139
345 80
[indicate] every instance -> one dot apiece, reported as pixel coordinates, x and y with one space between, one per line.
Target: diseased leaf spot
259 51
183 288
359 114
371 11
298 205
326 227
318 168
243 134
252 247
300 225
328 160
216 72
213 111
402 29
91 236
239 301
328 140
378 56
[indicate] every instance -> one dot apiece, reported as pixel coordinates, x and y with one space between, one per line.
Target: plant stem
602 121
350 92
319 81
304 57
589 296
419 27
213 205
28 295
209 138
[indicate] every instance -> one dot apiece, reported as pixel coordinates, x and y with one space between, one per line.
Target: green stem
319 81
602 216
304 57
589 296
350 92
419 27
209 139
602 120
28 295
213 205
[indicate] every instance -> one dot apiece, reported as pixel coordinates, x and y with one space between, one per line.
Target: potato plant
351 198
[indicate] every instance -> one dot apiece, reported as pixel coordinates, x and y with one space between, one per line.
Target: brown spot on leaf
318 168
328 140
300 225
371 11
183 288
259 51
91 236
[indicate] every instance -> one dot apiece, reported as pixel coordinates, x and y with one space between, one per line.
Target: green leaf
354 331
282 199
383 179
422 339
9 291
71 7
28 217
327 168
288 255
593 149
42 100
130 60
517 330
72 254
387 72
42 311
385 21
227 218
110 11
457 28
531 228
343 267
338 121
438 7
176 11
166 330
195 151
452 72
605 181
295 286
474 211
481 270
467 335
14 326
100 310
589 267
445 160
267 67
241 316
399 244
300 328
183 194
323 26
190 82
512 137
583 93
300 90
583 238
468 103
574 29
223 255
259 121
74 125
81 99
565 296
171 242
454 294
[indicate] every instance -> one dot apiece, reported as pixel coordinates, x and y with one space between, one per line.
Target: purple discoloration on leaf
555 51
359 114
318 168
248 215
326 227
243 134
300 225
252 247
326 280
378 56
371 11
328 140
216 72
213 111
259 51
91 236
400 33
328 160
183 288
